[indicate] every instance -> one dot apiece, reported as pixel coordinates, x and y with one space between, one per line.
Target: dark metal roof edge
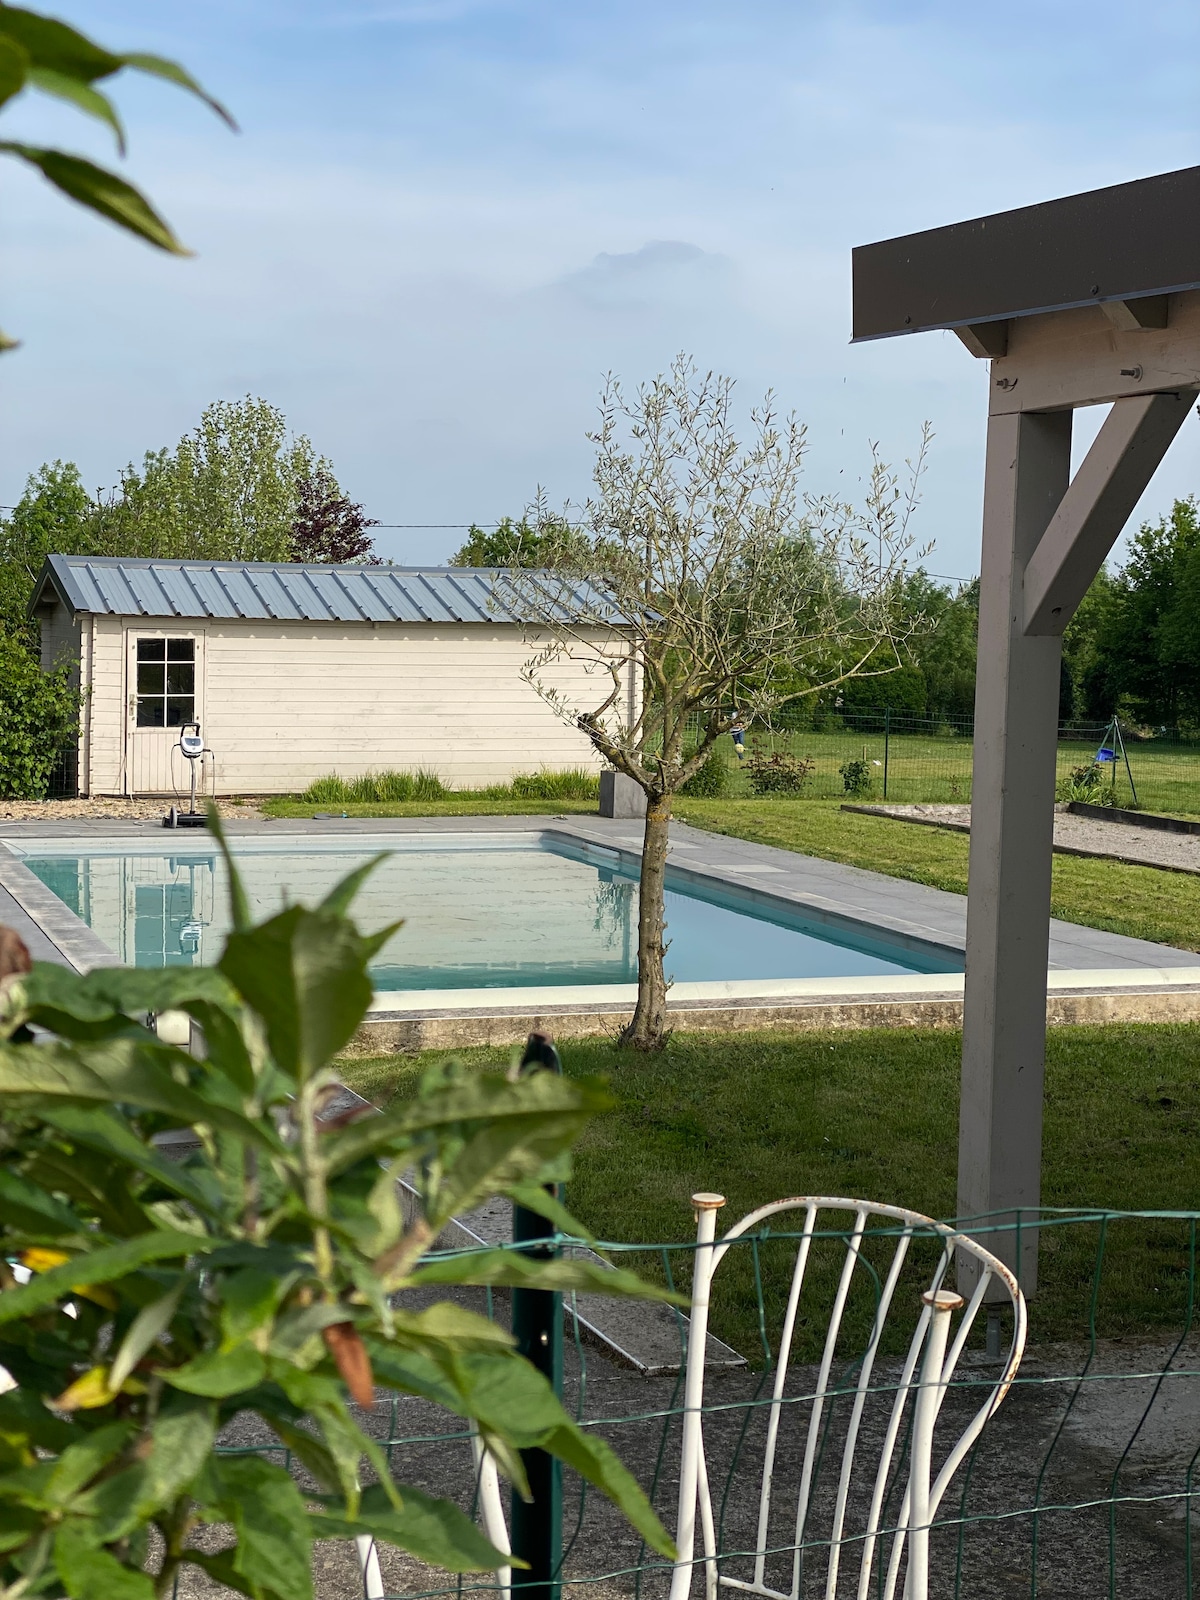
1023 311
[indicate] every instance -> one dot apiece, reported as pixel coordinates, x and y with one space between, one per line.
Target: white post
1012 838
368 1560
941 1302
706 1208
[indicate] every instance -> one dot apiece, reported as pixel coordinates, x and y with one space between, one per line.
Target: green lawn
1144 902
931 768
874 1114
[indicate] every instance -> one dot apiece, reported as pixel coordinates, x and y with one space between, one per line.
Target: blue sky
444 221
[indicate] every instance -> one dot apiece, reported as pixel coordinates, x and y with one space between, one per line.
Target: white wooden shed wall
281 704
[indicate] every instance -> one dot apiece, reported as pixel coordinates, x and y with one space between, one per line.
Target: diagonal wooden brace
1098 502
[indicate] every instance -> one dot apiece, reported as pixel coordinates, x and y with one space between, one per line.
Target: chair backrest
871 1462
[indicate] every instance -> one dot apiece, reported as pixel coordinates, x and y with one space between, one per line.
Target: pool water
481 911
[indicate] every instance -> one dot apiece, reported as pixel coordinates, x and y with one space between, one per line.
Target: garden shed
295 671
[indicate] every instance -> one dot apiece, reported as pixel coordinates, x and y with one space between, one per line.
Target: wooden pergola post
1089 300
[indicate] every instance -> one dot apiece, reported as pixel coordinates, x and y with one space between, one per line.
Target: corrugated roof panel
295 592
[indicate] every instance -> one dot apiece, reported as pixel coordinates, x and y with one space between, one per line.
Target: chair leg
942 1303
368 1560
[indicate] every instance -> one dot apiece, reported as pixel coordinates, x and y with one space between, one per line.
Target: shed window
166 682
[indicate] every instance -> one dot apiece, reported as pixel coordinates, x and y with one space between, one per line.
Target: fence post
887 739
537 1325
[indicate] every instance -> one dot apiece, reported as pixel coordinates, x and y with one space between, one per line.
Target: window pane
181 649
179 710
150 713
181 677
151 675
152 649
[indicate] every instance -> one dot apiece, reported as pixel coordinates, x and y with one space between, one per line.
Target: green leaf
56 45
97 1266
144 1331
91 1574
14 68
446 1326
218 1373
511 1398
239 905
305 974
80 1462
128 1070
28 1209
274 1537
79 94
339 899
483 1099
535 1197
512 1269
119 991
105 1132
172 72
100 191
248 1302
182 1437
432 1530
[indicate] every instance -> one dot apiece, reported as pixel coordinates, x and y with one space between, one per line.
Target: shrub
1093 783
856 776
269 1272
573 783
375 788
39 719
710 780
780 774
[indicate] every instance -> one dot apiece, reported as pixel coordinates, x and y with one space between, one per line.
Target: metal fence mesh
1083 1483
904 758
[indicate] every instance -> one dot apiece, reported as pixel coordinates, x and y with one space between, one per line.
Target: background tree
718 588
328 526
547 541
229 491
55 513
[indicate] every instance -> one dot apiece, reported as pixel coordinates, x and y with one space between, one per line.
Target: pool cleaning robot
193 750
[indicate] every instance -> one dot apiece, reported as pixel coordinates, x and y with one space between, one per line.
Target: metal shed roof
283 592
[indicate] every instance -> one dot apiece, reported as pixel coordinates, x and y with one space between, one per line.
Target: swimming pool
482 911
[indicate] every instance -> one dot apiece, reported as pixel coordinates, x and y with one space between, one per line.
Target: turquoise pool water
481 911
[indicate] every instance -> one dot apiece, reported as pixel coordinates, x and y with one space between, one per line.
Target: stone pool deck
1094 976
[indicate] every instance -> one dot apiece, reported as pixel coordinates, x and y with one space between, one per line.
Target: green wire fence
1083 1483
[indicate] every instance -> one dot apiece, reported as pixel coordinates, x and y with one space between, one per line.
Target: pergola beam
1093 299
1098 502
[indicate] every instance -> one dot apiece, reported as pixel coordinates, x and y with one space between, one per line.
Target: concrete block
620 796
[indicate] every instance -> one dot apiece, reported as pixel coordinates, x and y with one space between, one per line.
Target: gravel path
107 808
1079 836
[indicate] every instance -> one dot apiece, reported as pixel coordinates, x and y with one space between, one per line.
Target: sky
442 222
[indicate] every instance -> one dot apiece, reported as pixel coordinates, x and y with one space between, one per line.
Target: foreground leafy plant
266 1273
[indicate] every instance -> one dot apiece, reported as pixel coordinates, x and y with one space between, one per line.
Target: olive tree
717 590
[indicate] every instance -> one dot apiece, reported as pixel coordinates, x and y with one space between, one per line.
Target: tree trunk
647 1029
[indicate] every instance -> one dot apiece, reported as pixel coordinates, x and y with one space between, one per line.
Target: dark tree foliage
54 514
551 543
329 526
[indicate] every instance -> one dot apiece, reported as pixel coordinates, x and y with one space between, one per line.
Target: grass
760 1116
1142 902
926 767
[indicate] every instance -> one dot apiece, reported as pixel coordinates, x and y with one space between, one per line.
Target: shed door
165 675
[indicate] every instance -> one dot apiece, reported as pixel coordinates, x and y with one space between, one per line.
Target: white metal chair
491 1514
927 1351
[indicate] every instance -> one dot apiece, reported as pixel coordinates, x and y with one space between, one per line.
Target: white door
165 678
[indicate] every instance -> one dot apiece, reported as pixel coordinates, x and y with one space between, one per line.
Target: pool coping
1118 977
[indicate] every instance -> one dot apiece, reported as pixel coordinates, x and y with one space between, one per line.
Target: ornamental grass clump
145 1302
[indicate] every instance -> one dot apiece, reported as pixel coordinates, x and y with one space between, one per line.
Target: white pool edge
746 991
